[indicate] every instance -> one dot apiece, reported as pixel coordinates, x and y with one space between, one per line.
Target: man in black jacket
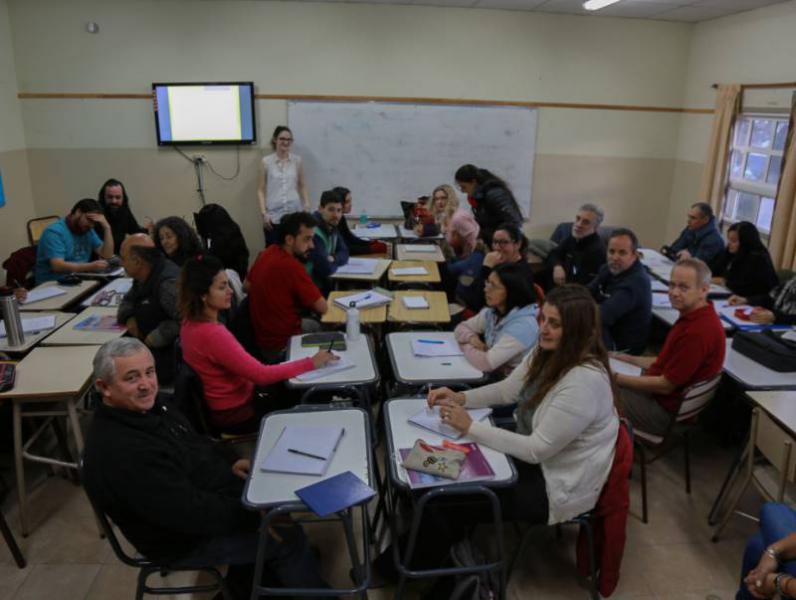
116 206
622 289
149 309
173 494
580 255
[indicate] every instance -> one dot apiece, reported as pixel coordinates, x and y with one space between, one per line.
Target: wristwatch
778 584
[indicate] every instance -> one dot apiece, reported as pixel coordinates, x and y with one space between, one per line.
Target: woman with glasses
496 339
490 197
281 187
444 203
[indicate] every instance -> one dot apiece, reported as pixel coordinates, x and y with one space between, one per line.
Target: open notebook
303 450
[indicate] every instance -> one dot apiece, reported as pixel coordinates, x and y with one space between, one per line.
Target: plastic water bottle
352 323
12 320
363 219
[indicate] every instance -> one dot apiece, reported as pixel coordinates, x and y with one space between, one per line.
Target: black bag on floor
767 348
475 586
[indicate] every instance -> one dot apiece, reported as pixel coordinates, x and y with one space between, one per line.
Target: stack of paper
32 325
400 271
420 248
363 300
358 266
333 367
661 301
42 293
620 366
303 450
429 418
414 302
429 347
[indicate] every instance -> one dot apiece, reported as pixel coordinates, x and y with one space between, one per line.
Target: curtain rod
761 86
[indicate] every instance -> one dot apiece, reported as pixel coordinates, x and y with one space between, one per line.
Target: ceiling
691 11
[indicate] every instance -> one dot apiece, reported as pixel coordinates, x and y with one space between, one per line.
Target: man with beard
329 248
66 245
116 206
581 254
280 289
622 289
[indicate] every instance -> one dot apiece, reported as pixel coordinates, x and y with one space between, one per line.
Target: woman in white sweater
567 421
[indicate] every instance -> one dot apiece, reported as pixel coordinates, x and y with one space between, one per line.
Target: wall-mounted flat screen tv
204 113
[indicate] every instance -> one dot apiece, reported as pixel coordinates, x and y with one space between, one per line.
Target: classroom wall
752 47
13 159
622 159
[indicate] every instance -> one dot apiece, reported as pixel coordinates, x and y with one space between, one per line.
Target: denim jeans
776 522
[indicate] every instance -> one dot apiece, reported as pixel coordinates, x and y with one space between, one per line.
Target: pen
331 344
431 341
446 364
307 454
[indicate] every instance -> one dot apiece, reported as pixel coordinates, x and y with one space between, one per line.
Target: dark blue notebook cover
335 493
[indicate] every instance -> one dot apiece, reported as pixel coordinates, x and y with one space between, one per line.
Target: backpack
222 237
473 586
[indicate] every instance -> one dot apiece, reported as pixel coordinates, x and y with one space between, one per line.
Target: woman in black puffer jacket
491 199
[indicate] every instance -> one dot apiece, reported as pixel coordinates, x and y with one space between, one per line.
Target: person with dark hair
509 245
329 249
490 197
692 352
777 307
174 494
280 289
579 256
356 245
149 308
177 240
504 330
229 374
622 289
567 421
281 187
745 266
700 239
66 245
115 203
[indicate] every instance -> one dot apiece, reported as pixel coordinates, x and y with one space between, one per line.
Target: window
758 142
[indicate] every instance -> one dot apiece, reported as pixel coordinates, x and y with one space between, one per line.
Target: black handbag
767 348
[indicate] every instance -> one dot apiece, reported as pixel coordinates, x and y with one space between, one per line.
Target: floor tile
64 582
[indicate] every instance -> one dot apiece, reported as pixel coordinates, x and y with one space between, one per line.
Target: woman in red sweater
229 374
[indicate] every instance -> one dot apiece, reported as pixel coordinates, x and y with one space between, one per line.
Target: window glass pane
766 214
773 170
746 207
742 132
755 167
729 204
782 132
736 166
762 133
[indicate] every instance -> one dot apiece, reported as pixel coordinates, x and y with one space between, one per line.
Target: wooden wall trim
397 99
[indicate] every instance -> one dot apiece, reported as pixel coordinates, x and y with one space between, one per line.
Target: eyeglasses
284 139
502 242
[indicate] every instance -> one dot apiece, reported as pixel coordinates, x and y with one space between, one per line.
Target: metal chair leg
687 453
12 543
643 462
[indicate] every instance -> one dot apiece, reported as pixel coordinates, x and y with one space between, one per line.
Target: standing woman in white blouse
281 188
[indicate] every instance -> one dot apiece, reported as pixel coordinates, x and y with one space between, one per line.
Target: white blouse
282 195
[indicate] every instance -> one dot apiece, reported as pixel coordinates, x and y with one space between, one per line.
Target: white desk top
31 339
382 264
359 352
780 405
69 336
670 316
265 489
653 259
121 286
73 293
409 234
52 373
402 434
384 231
754 376
438 370
403 252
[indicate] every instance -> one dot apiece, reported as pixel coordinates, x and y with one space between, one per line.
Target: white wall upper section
11 133
347 49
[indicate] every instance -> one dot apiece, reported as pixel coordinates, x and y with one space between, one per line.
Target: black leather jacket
495 205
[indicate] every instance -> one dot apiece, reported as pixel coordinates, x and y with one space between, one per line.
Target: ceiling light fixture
598 4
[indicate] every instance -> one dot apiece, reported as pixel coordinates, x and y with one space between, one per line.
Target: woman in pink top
229 374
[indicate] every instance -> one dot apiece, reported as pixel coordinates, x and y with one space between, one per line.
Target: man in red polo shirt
693 351
280 289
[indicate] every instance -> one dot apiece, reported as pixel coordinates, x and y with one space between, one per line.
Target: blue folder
335 493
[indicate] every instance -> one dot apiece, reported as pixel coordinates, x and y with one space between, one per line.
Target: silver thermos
11 318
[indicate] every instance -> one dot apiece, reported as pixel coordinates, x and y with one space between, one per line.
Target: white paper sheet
42 293
31 324
409 271
363 300
423 347
414 302
334 367
420 248
429 418
620 366
358 266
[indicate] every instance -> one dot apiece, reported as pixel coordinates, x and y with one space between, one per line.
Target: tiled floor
671 558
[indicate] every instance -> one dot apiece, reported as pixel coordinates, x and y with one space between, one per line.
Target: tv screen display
204 113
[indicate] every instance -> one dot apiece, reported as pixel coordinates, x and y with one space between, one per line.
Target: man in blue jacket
622 289
700 239
330 250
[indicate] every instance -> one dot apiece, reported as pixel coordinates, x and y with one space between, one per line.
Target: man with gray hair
700 239
172 492
693 352
578 258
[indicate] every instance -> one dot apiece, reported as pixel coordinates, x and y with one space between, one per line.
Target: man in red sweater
693 352
280 289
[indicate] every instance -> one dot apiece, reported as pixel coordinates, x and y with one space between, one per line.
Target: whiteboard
388 152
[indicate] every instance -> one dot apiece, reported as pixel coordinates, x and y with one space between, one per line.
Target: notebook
357 266
620 366
414 302
333 367
335 493
400 271
100 323
32 325
420 248
322 340
432 347
363 300
429 418
303 450
476 468
38 294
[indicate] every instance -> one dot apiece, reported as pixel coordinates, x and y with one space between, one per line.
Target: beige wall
13 160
